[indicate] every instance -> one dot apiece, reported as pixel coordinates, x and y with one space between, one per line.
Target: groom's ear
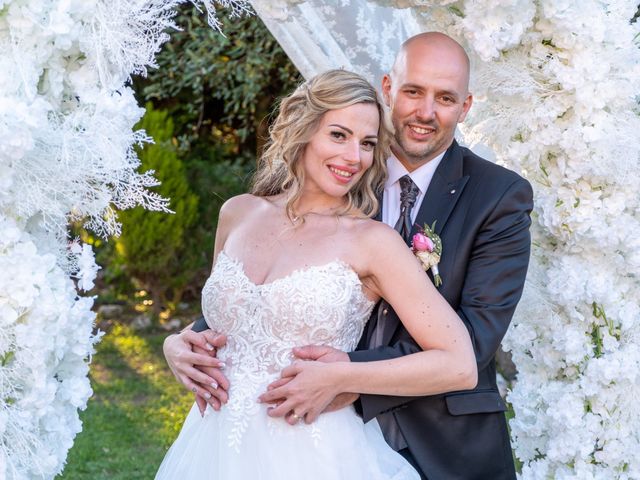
466 105
386 89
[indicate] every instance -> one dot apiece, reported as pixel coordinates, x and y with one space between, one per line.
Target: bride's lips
420 132
341 173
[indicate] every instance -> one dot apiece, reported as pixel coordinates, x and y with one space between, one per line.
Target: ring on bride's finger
296 417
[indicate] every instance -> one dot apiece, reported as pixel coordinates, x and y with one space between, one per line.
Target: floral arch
556 84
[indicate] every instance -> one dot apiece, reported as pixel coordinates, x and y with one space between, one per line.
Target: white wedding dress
316 305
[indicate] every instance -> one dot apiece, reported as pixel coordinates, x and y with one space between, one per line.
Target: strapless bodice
320 305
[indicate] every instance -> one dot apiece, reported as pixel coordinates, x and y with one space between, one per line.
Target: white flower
47 374
85 266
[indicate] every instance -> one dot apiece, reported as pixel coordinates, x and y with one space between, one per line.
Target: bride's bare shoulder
240 205
371 227
372 244
376 237
239 209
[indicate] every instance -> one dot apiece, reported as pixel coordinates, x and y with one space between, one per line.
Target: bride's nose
352 152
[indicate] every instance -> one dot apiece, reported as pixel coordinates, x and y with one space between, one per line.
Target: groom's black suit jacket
482 215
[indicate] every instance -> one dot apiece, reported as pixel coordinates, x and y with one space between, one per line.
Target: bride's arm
447 362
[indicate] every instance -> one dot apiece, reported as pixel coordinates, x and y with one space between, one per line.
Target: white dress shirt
421 176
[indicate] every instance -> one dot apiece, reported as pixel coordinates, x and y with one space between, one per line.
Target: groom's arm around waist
493 282
200 325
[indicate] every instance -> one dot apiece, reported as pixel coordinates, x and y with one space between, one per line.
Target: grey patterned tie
408 194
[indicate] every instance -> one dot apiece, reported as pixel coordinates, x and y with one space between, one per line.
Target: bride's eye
338 135
369 145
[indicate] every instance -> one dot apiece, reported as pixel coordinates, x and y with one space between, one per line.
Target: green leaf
7 358
457 11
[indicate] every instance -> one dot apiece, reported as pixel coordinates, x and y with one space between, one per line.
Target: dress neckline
294 273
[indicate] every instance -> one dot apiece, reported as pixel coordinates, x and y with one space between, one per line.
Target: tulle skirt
338 445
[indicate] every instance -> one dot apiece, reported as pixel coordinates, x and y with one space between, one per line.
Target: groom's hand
341 400
191 356
321 353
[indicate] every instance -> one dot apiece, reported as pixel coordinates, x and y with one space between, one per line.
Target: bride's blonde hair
279 168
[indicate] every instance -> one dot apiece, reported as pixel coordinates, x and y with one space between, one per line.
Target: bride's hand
324 353
191 358
304 391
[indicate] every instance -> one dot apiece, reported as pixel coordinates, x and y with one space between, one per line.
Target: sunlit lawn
135 413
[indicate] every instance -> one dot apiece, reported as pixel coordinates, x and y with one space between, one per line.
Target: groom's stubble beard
416 155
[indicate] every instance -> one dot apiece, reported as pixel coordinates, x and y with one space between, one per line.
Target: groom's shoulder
484 170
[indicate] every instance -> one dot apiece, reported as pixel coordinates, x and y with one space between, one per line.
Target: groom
481 212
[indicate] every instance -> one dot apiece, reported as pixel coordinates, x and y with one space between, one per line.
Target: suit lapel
378 215
441 197
444 191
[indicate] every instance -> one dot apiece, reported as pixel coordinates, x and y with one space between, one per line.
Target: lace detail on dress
322 305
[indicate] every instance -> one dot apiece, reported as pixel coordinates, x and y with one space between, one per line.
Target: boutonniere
427 246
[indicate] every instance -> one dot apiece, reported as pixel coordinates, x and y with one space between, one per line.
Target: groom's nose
426 110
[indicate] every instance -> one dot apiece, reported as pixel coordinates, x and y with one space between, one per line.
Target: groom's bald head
427 92
430 47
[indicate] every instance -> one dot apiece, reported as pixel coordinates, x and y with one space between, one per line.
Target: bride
300 261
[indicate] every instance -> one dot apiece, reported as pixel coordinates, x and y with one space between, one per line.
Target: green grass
135 413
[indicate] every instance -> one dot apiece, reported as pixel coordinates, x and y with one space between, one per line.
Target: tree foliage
219 88
152 244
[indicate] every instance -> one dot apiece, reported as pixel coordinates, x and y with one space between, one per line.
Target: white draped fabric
353 34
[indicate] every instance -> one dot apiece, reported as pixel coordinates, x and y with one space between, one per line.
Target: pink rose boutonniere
427 246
